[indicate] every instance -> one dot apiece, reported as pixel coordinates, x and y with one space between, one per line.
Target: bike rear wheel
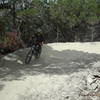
37 52
29 56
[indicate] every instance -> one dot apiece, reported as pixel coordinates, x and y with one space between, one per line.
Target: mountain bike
34 50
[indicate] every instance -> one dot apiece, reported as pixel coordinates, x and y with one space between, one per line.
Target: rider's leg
33 46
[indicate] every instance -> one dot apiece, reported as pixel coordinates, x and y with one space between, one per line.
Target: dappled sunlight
90 47
12 55
10 58
20 62
53 74
51 61
36 65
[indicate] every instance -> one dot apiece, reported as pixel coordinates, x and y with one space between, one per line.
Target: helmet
33 35
39 30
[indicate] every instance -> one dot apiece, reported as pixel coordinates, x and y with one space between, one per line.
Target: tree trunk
92 34
77 39
14 14
19 40
57 38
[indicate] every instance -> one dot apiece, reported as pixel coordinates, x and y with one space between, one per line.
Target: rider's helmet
39 31
33 35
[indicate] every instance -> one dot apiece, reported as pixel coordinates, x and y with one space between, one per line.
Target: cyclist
38 39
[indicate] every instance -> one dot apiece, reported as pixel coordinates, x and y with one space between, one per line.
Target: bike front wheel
29 56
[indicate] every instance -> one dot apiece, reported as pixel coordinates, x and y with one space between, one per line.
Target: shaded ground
51 62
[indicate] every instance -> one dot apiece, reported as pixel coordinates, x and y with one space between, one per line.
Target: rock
96 64
19 61
9 58
90 78
94 86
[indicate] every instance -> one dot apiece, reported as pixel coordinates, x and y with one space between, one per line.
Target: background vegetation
59 20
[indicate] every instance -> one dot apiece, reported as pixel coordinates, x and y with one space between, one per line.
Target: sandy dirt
59 74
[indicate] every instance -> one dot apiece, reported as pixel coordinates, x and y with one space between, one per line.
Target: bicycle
34 50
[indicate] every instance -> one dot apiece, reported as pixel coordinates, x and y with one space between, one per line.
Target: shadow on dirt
51 62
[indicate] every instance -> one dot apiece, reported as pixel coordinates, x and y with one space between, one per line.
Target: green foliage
72 13
75 10
2 29
27 12
71 18
2 25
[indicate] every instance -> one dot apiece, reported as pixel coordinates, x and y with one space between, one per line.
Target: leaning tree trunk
92 33
13 9
15 26
57 37
19 40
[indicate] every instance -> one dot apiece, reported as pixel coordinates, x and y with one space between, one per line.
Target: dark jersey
38 39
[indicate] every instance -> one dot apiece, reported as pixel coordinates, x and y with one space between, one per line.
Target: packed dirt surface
65 71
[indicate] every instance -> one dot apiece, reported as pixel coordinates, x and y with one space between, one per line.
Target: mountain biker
38 38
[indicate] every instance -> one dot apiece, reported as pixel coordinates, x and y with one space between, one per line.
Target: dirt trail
58 63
